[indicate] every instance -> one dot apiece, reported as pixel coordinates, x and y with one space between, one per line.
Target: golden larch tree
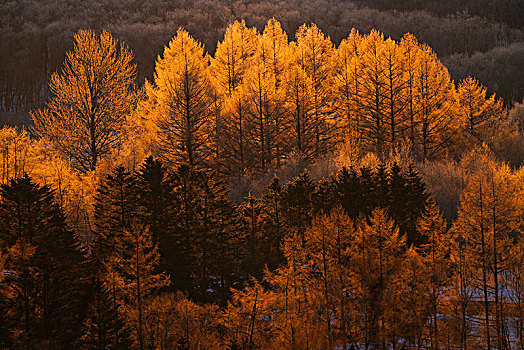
478 110
297 87
372 101
411 50
395 85
375 254
233 57
488 219
313 54
91 97
268 115
434 104
435 252
139 278
326 247
347 79
236 148
274 50
181 99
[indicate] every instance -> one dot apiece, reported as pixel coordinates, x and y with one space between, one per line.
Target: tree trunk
484 272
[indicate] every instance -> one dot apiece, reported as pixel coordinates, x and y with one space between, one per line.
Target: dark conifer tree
104 326
45 264
349 192
325 196
251 214
222 238
206 255
407 199
380 194
154 195
272 223
115 211
179 264
297 208
396 197
367 190
416 205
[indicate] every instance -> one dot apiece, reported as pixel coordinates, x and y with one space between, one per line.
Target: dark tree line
56 290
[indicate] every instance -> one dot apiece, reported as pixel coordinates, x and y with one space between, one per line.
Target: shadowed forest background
262 175
479 38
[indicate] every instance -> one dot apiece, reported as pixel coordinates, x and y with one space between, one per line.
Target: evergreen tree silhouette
46 268
154 195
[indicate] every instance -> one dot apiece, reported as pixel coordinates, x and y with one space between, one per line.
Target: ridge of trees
260 99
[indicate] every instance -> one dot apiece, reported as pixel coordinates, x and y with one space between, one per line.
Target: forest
175 178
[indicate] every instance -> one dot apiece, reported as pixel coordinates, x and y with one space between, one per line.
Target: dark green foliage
396 197
324 198
349 192
417 200
189 217
297 206
383 183
401 193
154 195
154 190
366 193
46 268
273 224
283 210
104 326
263 227
251 212
206 241
115 210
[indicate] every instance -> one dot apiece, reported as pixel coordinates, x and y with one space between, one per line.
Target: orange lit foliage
180 100
91 98
139 281
233 57
21 155
489 221
260 100
347 79
263 98
478 111
266 111
389 93
15 151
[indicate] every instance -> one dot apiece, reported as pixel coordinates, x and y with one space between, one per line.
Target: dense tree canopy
278 194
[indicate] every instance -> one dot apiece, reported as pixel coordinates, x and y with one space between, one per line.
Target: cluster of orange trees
362 258
262 98
117 231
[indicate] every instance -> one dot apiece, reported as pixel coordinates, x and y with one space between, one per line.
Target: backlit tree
182 99
90 99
